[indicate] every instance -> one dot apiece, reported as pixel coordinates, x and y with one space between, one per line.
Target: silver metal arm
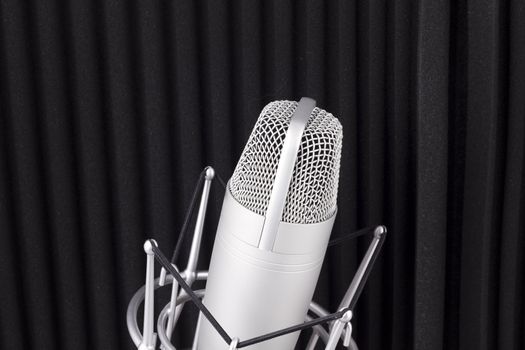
191 268
358 277
353 288
193 258
149 337
172 308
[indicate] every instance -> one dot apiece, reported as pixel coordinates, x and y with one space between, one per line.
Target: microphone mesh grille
312 194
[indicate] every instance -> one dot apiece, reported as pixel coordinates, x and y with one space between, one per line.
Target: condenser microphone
275 224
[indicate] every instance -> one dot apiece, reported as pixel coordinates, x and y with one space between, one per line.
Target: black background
109 109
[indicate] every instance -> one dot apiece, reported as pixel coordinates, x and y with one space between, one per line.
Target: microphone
275 224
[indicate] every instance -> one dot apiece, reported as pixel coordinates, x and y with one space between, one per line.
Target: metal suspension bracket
339 323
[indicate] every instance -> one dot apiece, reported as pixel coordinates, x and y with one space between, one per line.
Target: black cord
288 330
352 235
169 267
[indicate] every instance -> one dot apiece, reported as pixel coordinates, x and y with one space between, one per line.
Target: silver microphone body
275 224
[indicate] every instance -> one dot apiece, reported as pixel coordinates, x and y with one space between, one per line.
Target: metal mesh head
312 194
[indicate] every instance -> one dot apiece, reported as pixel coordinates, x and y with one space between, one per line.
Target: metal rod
312 342
191 267
173 307
364 269
335 334
196 335
133 307
161 322
148 338
184 229
338 328
199 225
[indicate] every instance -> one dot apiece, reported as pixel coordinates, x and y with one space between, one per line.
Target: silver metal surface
335 335
196 334
284 172
173 306
199 225
162 277
161 324
148 339
337 330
